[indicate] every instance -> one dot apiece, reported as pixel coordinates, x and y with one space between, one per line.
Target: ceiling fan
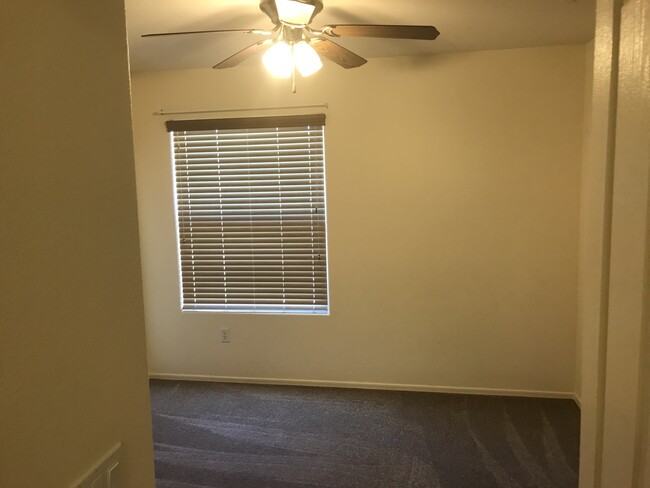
295 45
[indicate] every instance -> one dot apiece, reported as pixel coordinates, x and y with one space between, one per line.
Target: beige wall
613 283
586 234
453 195
629 290
73 376
643 448
644 408
595 234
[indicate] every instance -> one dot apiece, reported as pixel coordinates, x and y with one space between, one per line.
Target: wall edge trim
368 386
577 399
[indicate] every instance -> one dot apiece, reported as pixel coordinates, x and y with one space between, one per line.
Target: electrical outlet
225 335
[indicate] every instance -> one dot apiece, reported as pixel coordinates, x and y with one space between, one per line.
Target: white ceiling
464 25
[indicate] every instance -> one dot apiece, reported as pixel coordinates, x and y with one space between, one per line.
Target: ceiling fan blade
337 53
243 31
238 57
424 32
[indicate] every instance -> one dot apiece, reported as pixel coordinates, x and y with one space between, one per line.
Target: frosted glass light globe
306 59
293 12
278 60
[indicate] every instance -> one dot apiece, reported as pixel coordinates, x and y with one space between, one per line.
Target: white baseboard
367 386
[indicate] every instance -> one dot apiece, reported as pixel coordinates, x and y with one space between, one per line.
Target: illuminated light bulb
306 59
294 12
278 60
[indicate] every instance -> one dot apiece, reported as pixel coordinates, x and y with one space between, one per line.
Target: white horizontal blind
250 208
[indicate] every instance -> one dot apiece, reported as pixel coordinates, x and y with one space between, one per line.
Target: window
250 212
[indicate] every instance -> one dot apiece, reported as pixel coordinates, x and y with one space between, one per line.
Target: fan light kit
281 59
295 46
295 12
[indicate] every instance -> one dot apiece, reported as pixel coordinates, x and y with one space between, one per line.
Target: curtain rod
219 110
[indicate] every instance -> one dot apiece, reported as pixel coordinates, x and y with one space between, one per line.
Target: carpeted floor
248 436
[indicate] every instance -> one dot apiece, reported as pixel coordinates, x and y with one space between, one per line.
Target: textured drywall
585 236
453 195
595 218
625 380
613 283
73 374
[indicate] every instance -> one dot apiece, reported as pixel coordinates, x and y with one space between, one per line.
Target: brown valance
245 123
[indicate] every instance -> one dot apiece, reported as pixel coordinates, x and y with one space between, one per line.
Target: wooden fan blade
243 31
337 53
424 32
238 57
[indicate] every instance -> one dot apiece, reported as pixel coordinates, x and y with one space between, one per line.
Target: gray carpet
248 436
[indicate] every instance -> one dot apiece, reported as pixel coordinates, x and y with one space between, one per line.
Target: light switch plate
99 482
113 480
104 473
